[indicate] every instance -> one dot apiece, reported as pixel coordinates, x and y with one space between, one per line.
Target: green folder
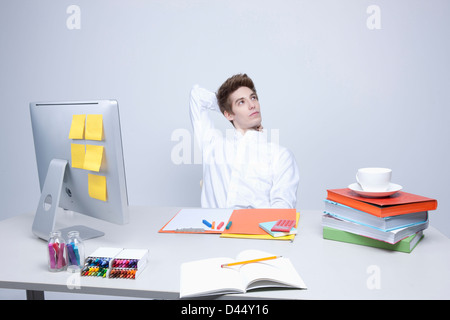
405 245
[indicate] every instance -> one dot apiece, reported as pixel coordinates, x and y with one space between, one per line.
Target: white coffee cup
374 179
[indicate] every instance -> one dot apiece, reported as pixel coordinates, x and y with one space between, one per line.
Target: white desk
331 270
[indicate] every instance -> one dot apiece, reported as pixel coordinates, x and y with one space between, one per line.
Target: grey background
340 95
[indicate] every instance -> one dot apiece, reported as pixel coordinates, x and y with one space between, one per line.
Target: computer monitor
80 163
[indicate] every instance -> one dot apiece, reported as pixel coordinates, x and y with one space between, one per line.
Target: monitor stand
44 220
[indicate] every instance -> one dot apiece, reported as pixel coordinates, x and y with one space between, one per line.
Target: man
242 169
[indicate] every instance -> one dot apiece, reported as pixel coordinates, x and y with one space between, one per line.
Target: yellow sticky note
77 127
93 157
94 127
78 153
97 187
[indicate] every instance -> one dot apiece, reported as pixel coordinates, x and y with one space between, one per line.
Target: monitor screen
80 161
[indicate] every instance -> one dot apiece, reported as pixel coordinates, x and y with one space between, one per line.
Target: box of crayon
128 264
98 263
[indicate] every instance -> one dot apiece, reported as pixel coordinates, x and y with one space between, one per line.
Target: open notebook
207 277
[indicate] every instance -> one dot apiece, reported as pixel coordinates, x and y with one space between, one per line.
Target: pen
206 223
249 261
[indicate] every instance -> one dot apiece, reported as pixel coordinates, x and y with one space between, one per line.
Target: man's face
246 110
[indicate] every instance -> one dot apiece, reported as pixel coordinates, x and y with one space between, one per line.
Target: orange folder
397 204
246 221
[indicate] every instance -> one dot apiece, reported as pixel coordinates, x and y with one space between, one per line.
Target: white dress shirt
240 171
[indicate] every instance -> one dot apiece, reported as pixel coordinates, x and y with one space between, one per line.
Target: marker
77 253
228 225
61 262
206 223
51 252
213 226
72 257
249 261
220 225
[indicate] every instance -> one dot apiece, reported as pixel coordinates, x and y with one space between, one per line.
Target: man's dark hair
228 87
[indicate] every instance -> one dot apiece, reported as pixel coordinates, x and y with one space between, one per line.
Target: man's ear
228 115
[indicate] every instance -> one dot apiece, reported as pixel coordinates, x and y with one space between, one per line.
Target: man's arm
285 183
200 103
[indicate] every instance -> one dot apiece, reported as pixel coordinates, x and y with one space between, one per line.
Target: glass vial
75 251
56 252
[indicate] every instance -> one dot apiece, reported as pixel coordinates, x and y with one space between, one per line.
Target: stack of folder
394 223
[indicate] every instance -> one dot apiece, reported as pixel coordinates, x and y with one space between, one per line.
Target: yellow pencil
249 261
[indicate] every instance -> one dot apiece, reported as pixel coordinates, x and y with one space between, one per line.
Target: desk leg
35 295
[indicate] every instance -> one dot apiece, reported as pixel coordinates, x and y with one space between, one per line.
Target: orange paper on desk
246 221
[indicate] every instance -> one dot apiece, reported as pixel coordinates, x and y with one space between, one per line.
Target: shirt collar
249 134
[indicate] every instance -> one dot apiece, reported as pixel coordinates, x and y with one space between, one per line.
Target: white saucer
393 188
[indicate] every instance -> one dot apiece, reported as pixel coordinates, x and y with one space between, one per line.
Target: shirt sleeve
201 102
285 181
